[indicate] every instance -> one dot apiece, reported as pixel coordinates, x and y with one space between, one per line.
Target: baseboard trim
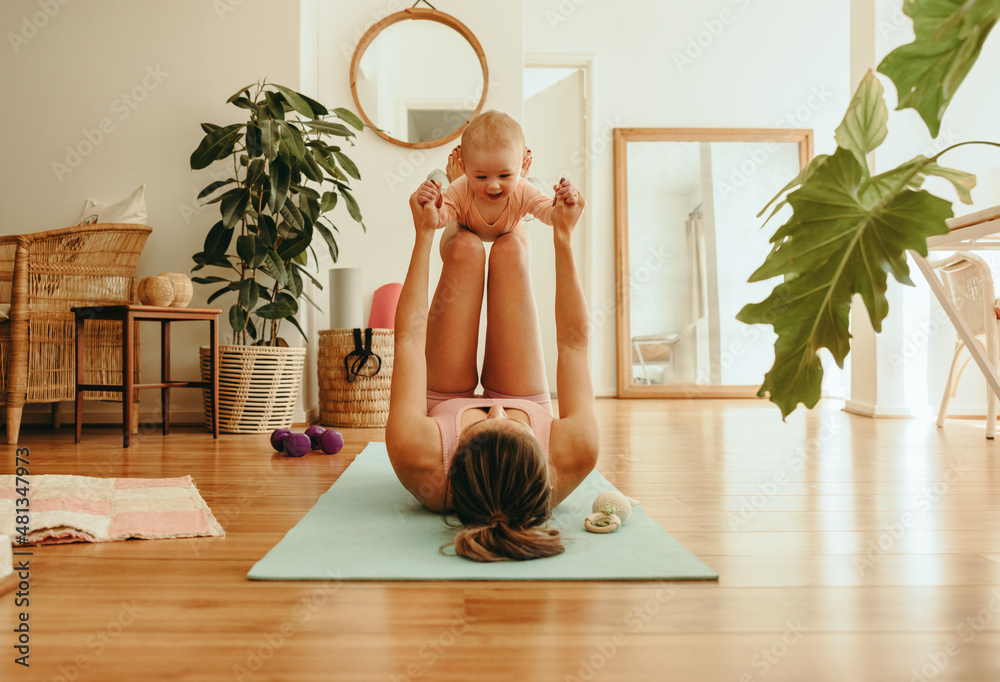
878 411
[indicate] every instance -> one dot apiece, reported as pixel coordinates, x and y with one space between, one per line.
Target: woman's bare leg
514 362
453 317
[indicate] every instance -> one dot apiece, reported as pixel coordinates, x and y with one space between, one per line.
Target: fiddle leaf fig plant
287 172
849 229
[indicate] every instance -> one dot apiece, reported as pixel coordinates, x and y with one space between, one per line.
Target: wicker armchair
969 283
43 276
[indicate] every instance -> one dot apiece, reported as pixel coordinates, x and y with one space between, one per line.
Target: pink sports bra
448 416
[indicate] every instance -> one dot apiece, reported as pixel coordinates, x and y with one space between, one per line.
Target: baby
491 197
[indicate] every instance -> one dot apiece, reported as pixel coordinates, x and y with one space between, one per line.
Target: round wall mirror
418 76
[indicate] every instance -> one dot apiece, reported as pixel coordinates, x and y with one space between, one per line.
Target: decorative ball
613 502
278 438
331 442
314 433
158 291
297 445
183 289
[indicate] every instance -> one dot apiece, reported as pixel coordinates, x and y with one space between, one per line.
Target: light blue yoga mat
368 527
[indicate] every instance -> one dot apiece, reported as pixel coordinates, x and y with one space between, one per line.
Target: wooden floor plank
847 548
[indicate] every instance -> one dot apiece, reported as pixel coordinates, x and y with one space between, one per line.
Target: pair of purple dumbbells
315 438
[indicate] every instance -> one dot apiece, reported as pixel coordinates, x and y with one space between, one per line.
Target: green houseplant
850 228
282 173
269 214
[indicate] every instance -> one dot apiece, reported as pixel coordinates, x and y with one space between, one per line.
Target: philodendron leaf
234 205
292 148
864 126
843 238
949 37
216 145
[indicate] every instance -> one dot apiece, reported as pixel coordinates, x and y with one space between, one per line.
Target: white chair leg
991 398
949 387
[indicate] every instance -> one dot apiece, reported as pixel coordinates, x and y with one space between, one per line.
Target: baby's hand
429 192
566 192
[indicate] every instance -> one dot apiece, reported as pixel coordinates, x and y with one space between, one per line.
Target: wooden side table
130 315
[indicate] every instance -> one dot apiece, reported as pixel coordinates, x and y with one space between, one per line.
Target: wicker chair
43 276
969 282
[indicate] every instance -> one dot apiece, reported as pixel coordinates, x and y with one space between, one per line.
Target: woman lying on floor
502 462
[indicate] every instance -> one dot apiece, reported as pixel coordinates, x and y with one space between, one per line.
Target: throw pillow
131 209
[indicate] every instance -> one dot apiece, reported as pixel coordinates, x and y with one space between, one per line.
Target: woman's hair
492 130
499 481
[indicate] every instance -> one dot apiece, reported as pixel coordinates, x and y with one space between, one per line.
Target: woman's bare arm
575 434
412 437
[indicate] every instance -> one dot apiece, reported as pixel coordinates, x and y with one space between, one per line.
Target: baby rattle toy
611 509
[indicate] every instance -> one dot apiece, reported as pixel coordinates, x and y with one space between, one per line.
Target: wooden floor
848 549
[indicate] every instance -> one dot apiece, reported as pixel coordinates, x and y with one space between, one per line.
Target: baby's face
493 174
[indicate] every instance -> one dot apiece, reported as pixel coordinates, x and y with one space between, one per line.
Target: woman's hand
569 208
424 205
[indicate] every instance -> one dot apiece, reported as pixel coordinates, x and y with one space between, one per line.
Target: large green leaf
216 145
349 116
330 128
844 236
864 126
283 306
348 165
296 100
234 205
281 178
275 104
249 293
251 249
949 35
217 242
292 147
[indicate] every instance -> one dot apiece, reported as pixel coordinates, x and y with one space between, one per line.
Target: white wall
747 72
151 71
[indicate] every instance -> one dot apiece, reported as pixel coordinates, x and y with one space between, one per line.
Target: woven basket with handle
354 400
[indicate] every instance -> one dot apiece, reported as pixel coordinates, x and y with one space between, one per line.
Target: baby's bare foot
452 169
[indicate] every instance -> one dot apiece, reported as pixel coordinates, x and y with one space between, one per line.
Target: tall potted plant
849 227
284 173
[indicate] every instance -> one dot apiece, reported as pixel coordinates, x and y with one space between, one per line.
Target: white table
971 232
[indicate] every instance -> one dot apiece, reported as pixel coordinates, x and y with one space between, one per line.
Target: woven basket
258 387
363 403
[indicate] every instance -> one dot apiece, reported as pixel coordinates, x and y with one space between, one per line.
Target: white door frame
585 62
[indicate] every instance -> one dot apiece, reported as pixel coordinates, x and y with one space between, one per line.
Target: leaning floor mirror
687 239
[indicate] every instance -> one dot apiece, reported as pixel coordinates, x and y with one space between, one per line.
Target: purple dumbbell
314 433
297 445
278 438
331 442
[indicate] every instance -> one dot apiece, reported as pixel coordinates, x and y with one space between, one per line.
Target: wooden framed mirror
418 76
686 240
